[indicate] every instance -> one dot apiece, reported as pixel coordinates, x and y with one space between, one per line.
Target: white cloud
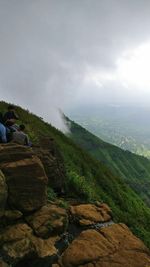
134 66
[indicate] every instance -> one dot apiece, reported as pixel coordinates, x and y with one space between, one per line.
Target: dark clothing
9 118
10 115
1 117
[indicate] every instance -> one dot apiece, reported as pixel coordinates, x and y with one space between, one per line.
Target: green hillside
90 179
134 169
124 126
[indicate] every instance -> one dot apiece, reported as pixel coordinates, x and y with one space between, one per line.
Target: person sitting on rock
3 138
20 137
10 116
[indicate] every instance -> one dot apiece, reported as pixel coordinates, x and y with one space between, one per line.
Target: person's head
22 127
11 107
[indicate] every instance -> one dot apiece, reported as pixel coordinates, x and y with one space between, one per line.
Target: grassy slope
134 169
89 179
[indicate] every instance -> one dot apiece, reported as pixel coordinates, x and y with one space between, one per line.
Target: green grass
134 169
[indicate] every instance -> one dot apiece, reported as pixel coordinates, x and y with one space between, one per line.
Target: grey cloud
47 45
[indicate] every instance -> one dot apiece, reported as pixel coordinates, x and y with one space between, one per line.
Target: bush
79 186
51 194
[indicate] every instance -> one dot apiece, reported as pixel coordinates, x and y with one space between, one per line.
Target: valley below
126 127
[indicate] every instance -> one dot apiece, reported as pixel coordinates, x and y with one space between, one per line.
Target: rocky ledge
36 232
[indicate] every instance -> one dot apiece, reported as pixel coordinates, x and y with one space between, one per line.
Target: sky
59 54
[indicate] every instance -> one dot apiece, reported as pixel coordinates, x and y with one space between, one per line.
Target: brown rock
3 193
3 264
45 248
18 242
105 208
89 214
49 220
53 163
25 177
85 222
12 152
12 215
113 246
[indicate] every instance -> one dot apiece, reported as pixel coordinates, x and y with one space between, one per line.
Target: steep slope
37 232
89 179
125 126
134 169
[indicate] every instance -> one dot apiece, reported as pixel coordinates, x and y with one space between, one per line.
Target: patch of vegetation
63 204
80 187
51 194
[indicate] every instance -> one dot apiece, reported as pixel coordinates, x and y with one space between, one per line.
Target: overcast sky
62 53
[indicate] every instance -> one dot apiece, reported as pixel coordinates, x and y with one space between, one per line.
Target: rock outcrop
25 177
88 214
19 242
52 161
50 220
113 246
3 193
36 232
3 264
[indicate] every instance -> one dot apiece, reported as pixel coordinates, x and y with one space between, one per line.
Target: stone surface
52 162
113 246
25 177
12 152
105 207
33 230
19 242
12 215
45 248
3 193
16 242
3 264
49 220
88 214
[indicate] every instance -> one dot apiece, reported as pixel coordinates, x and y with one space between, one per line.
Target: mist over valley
126 126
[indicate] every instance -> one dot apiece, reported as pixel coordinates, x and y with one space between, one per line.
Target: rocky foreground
36 232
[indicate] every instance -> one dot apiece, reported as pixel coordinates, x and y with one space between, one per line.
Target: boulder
25 177
3 193
53 163
11 216
113 246
88 214
49 220
18 243
12 152
3 264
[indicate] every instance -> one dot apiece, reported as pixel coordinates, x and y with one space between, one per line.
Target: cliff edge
35 231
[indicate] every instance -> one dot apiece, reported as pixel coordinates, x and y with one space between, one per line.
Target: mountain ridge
88 179
133 168
37 231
